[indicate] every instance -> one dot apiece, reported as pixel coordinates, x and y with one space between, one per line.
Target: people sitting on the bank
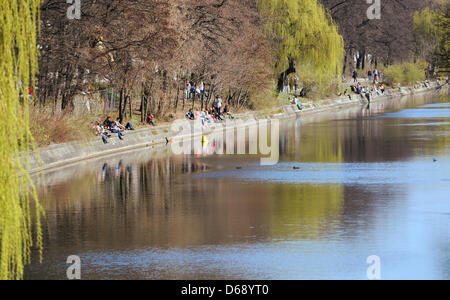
116 129
129 126
298 103
375 90
151 119
117 123
108 123
190 115
211 115
382 89
215 114
358 88
101 131
208 117
227 112
202 116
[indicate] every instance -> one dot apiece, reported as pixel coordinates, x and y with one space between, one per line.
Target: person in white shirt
298 103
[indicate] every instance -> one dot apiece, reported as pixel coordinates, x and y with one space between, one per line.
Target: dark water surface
367 181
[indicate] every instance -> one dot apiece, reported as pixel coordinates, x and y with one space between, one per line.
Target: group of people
194 89
291 84
375 76
214 114
109 127
367 91
372 76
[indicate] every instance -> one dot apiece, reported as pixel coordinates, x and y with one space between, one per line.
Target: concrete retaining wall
69 153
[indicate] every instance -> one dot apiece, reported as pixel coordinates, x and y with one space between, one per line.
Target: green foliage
443 50
404 74
304 33
425 23
264 98
315 86
432 31
18 66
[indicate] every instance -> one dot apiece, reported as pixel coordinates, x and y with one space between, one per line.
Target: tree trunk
130 106
121 100
282 77
178 96
210 94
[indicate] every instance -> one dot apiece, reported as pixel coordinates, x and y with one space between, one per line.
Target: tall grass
55 128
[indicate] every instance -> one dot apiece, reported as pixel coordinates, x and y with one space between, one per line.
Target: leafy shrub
404 74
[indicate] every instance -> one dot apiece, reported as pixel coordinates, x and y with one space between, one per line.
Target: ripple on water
421 124
436 105
418 114
344 173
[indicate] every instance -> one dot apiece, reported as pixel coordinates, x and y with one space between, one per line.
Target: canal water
350 184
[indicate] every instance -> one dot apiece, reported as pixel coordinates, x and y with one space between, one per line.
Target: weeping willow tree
432 31
305 39
18 66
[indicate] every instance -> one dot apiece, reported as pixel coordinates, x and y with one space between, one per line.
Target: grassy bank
56 128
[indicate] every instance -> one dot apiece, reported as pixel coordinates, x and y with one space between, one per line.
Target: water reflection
350 183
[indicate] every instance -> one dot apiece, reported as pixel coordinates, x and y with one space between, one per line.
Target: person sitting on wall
360 89
108 123
117 123
101 131
190 115
298 103
212 114
116 129
208 117
151 119
215 114
129 126
226 112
